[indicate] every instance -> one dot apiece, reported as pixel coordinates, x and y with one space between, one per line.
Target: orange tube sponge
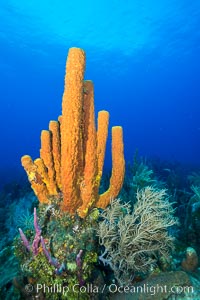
72 106
118 168
72 150
46 154
102 135
42 171
35 179
54 127
89 184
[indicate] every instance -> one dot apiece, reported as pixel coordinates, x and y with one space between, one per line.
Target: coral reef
63 252
62 246
79 239
72 150
17 203
192 219
69 252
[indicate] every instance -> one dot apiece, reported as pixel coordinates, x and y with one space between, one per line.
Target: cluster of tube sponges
72 150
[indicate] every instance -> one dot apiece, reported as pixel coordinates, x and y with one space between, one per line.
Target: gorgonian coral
133 240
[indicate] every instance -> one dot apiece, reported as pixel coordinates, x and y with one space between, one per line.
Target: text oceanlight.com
113 288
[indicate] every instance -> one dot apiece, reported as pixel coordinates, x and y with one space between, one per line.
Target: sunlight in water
105 25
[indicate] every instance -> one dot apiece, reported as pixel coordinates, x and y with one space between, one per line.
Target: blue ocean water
143 57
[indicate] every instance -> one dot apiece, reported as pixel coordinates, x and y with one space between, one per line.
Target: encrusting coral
72 150
190 262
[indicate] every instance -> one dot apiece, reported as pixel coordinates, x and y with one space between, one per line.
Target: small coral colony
83 237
